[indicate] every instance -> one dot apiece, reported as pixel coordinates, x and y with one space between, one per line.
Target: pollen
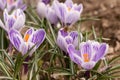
9 1
69 8
86 57
15 17
26 37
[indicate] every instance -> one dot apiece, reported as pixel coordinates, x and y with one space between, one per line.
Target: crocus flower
41 8
51 15
12 4
3 4
46 1
89 53
67 12
32 40
65 38
14 21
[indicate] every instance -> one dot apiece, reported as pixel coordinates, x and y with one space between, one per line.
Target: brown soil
108 11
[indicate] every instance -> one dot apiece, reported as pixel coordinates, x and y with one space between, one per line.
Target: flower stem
87 75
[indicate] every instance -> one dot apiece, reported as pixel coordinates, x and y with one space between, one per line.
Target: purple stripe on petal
72 17
19 3
63 32
68 40
60 10
51 15
11 22
95 46
13 32
15 38
86 48
78 8
16 42
74 34
2 4
38 37
74 54
69 3
29 31
5 15
23 7
101 52
46 1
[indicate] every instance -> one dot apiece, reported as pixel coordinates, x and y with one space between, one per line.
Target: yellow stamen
15 17
9 1
86 57
26 37
69 8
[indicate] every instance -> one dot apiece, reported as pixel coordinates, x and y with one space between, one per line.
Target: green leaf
97 65
9 58
6 78
117 67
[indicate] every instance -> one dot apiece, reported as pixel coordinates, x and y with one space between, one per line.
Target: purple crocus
12 4
89 53
67 12
32 39
46 1
65 38
3 4
42 7
14 21
51 15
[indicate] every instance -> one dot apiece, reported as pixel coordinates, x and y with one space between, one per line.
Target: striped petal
74 54
16 39
86 51
41 9
20 19
69 3
28 33
101 52
38 37
2 4
51 15
72 17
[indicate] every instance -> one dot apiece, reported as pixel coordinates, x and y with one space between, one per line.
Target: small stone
117 47
110 49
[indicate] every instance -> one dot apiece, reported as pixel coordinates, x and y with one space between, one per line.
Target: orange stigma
26 37
86 57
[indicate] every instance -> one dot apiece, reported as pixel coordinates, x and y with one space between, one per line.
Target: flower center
26 37
69 8
15 17
86 57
